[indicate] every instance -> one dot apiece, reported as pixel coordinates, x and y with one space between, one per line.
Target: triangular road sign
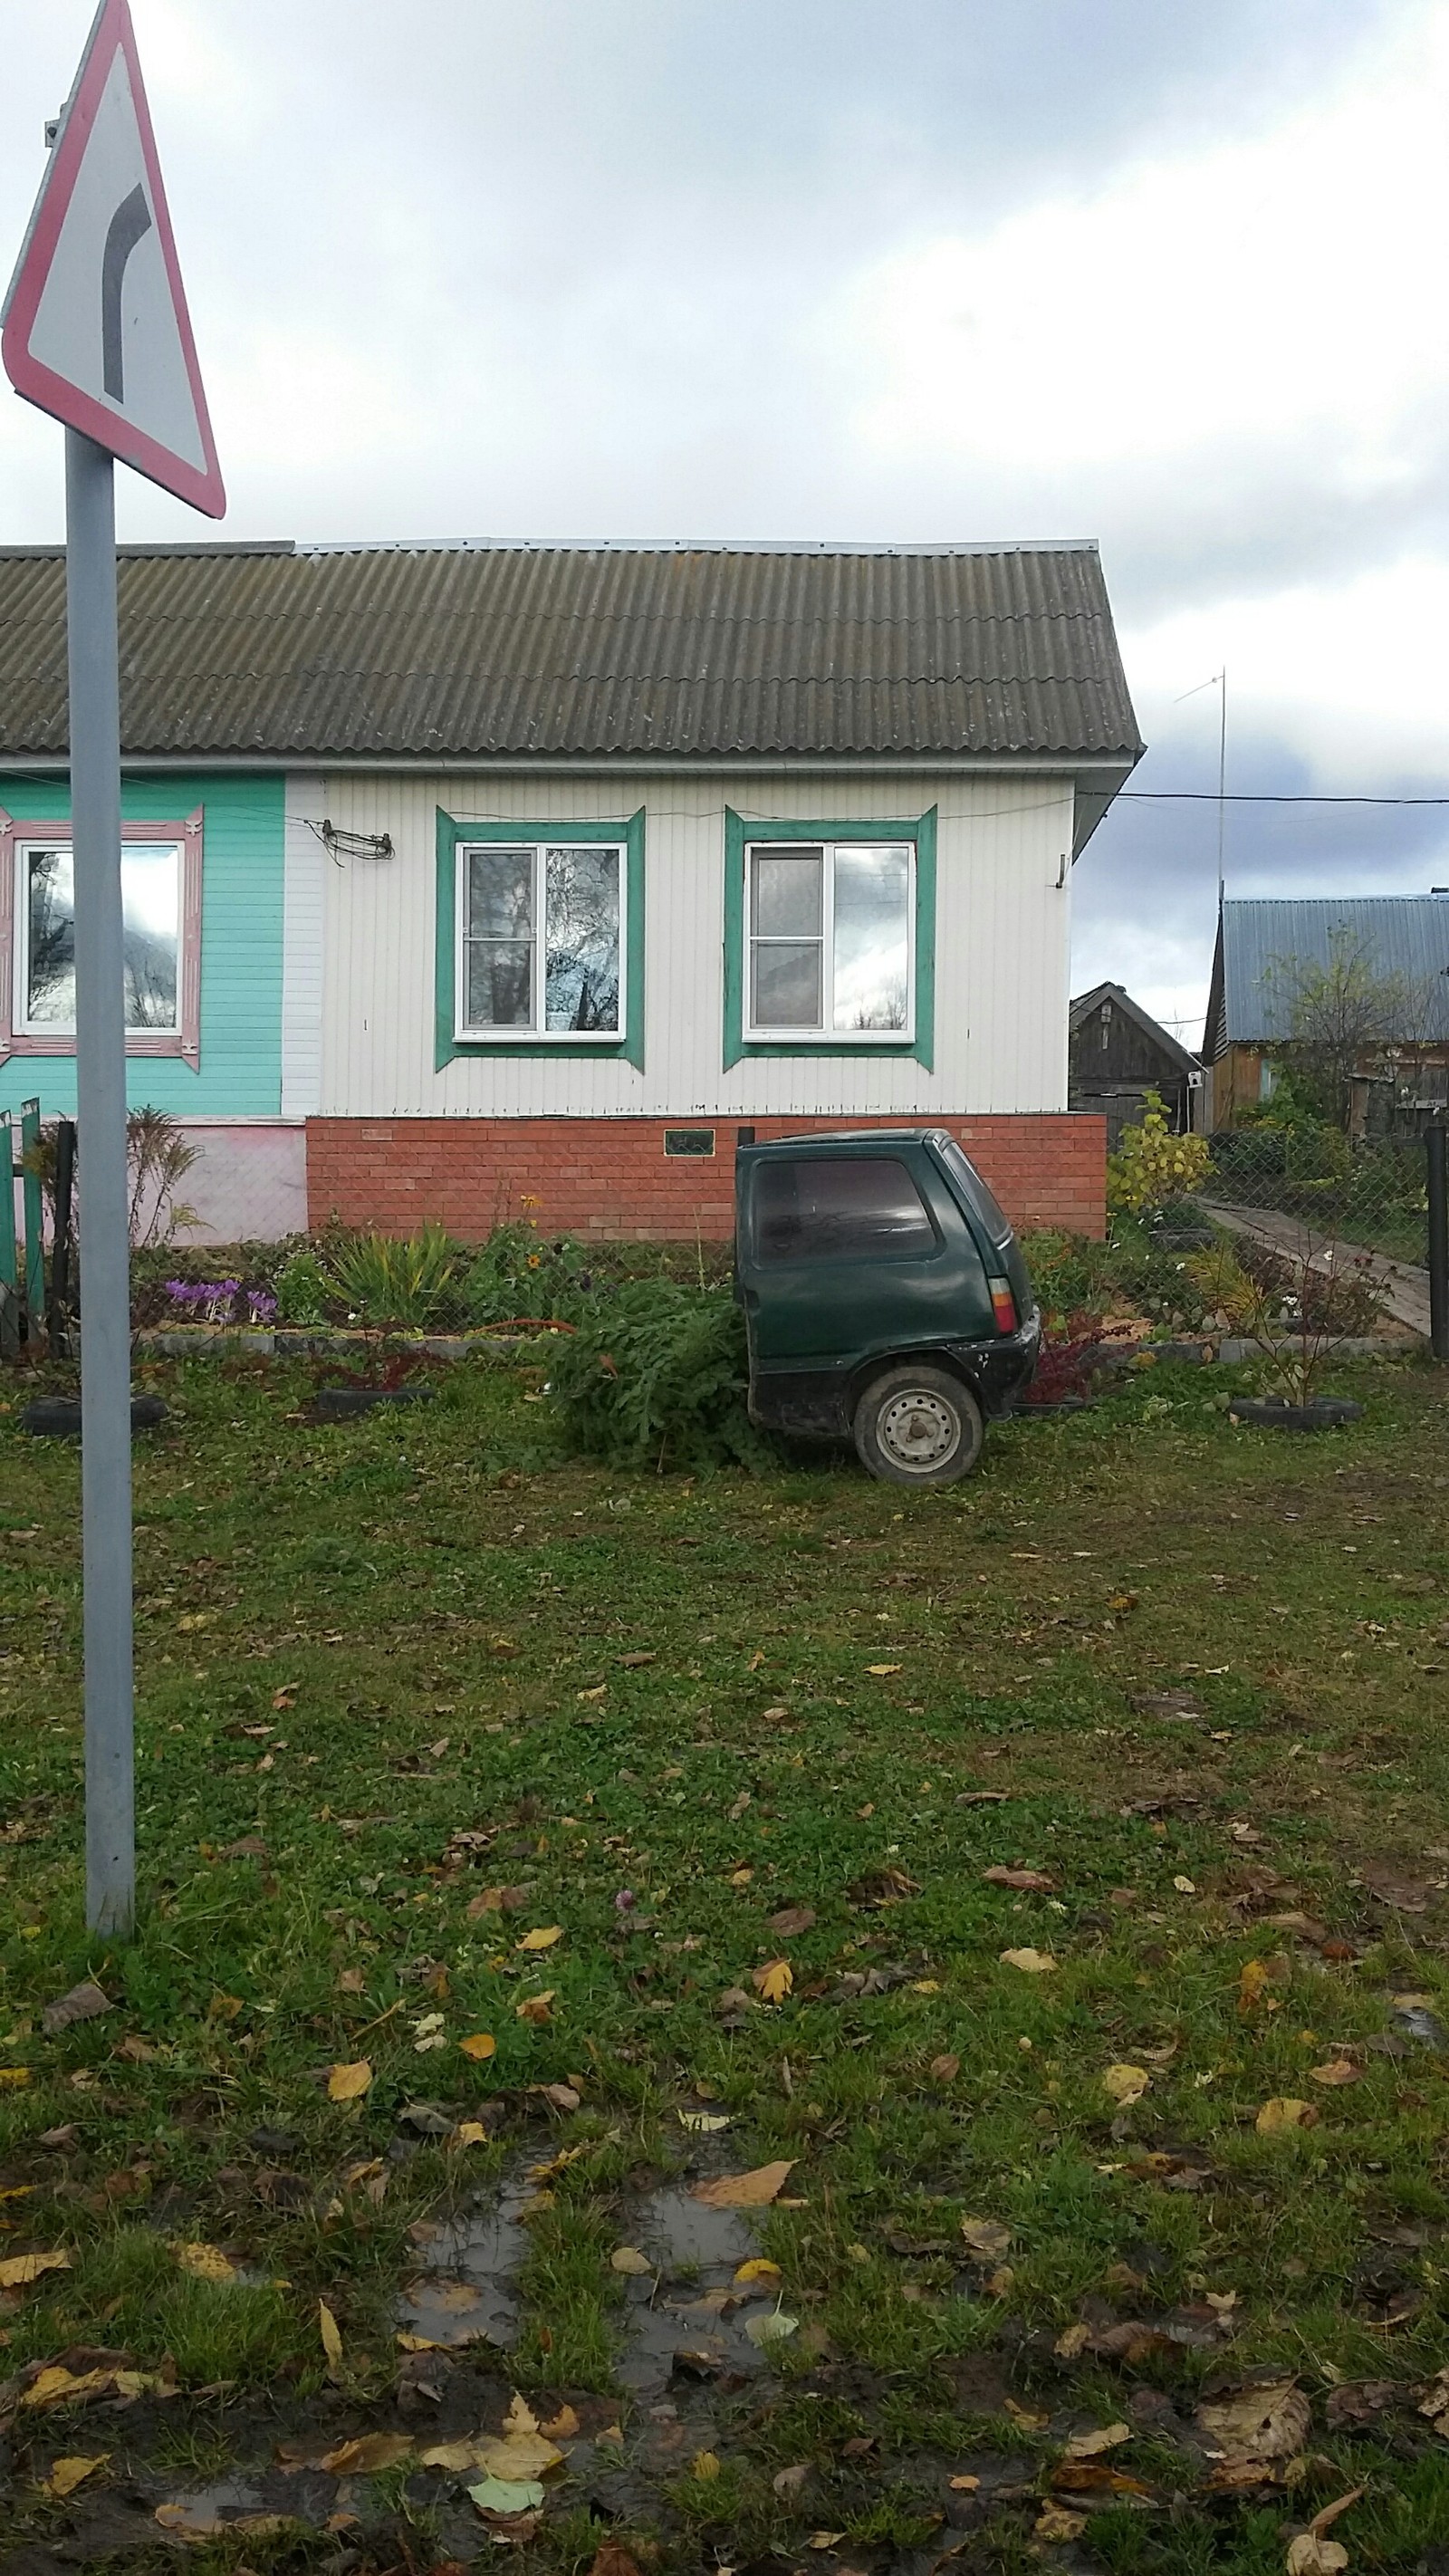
96 329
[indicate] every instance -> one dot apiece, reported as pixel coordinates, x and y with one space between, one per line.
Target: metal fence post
9 1268
33 1205
1436 1149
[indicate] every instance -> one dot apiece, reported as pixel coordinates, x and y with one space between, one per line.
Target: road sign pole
105 1335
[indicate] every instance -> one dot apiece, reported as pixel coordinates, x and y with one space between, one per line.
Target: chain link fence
1323 1205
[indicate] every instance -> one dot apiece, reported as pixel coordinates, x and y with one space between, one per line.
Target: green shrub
303 1289
1067 1271
1152 1168
385 1280
517 1273
658 1377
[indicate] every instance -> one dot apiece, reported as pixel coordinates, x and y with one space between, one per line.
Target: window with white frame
829 936
541 940
44 916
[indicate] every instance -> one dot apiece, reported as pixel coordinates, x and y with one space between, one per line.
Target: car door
852 1254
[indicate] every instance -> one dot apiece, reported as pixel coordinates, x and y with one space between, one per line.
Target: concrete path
1403 1288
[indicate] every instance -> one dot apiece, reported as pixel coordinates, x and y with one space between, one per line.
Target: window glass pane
808 1209
499 987
787 894
872 946
500 894
581 972
979 1195
785 983
151 927
150 909
50 939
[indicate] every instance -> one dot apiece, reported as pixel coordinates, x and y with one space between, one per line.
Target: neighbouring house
461 877
1388 956
221 995
1117 1054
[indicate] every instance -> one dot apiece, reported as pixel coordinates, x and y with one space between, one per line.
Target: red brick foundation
611 1176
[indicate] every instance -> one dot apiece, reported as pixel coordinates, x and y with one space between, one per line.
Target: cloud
985 269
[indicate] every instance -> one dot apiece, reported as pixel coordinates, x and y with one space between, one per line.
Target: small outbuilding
1118 1053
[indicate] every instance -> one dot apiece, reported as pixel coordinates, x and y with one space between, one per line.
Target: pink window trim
185 1041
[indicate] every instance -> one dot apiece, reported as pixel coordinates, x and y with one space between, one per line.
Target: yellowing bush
1152 1167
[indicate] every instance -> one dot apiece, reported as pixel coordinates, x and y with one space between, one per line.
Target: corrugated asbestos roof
1406 936
452 652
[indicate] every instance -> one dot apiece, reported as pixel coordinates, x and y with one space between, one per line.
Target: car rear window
978 1195
823 1208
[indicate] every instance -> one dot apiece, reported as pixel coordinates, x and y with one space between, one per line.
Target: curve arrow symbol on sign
129 224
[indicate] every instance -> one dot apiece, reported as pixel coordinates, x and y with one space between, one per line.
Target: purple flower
263 1305
625 1900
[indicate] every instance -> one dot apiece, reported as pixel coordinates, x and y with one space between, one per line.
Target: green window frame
455 832
738 1043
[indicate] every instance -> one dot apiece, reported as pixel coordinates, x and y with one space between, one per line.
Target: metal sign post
96 332
105 1321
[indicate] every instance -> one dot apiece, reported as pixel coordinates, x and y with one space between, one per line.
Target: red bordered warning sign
96 329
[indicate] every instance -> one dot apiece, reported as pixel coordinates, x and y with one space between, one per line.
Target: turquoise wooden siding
240 1073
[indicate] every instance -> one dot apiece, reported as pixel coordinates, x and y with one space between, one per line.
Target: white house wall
1002 951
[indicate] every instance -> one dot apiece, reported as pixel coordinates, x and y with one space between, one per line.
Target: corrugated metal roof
454 652
1405 936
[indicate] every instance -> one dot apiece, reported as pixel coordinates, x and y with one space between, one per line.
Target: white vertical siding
304 863
1001 946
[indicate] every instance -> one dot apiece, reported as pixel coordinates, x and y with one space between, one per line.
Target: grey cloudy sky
886 270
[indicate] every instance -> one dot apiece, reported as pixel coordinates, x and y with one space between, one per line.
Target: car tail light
1003 1305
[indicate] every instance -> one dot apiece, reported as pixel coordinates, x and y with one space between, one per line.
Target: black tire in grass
918 1425
58 1417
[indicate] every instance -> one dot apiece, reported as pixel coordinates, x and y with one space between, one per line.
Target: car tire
917 1425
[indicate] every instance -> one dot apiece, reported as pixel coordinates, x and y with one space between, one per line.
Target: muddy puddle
684 2323
469 2291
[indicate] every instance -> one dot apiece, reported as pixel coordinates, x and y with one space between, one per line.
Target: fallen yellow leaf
986 2237
348 2083
479 2045
205 2262
331 2334
744 2191
760 2270
366 2454
535 2007
468 2133
1126 2083
561 2427
1032 1963
1282 2112
965 2485
627 2258
1338 2070
517 2457
14 2075
1090 2446
882 1670
1055 2523
774 1981
705 2464
67 2474
544 1939
22 2269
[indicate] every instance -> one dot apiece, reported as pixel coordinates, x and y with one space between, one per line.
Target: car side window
828 1208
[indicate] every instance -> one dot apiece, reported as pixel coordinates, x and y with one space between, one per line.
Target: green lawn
1193 1676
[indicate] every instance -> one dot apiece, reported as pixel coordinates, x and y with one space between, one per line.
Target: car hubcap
919 1431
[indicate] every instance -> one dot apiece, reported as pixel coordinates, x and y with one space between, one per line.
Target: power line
1243 796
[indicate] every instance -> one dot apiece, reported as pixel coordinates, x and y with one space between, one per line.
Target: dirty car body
877 1267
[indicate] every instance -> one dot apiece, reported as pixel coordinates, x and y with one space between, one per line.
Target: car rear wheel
918 1426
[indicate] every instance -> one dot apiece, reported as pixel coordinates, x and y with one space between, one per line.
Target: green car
885 1296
